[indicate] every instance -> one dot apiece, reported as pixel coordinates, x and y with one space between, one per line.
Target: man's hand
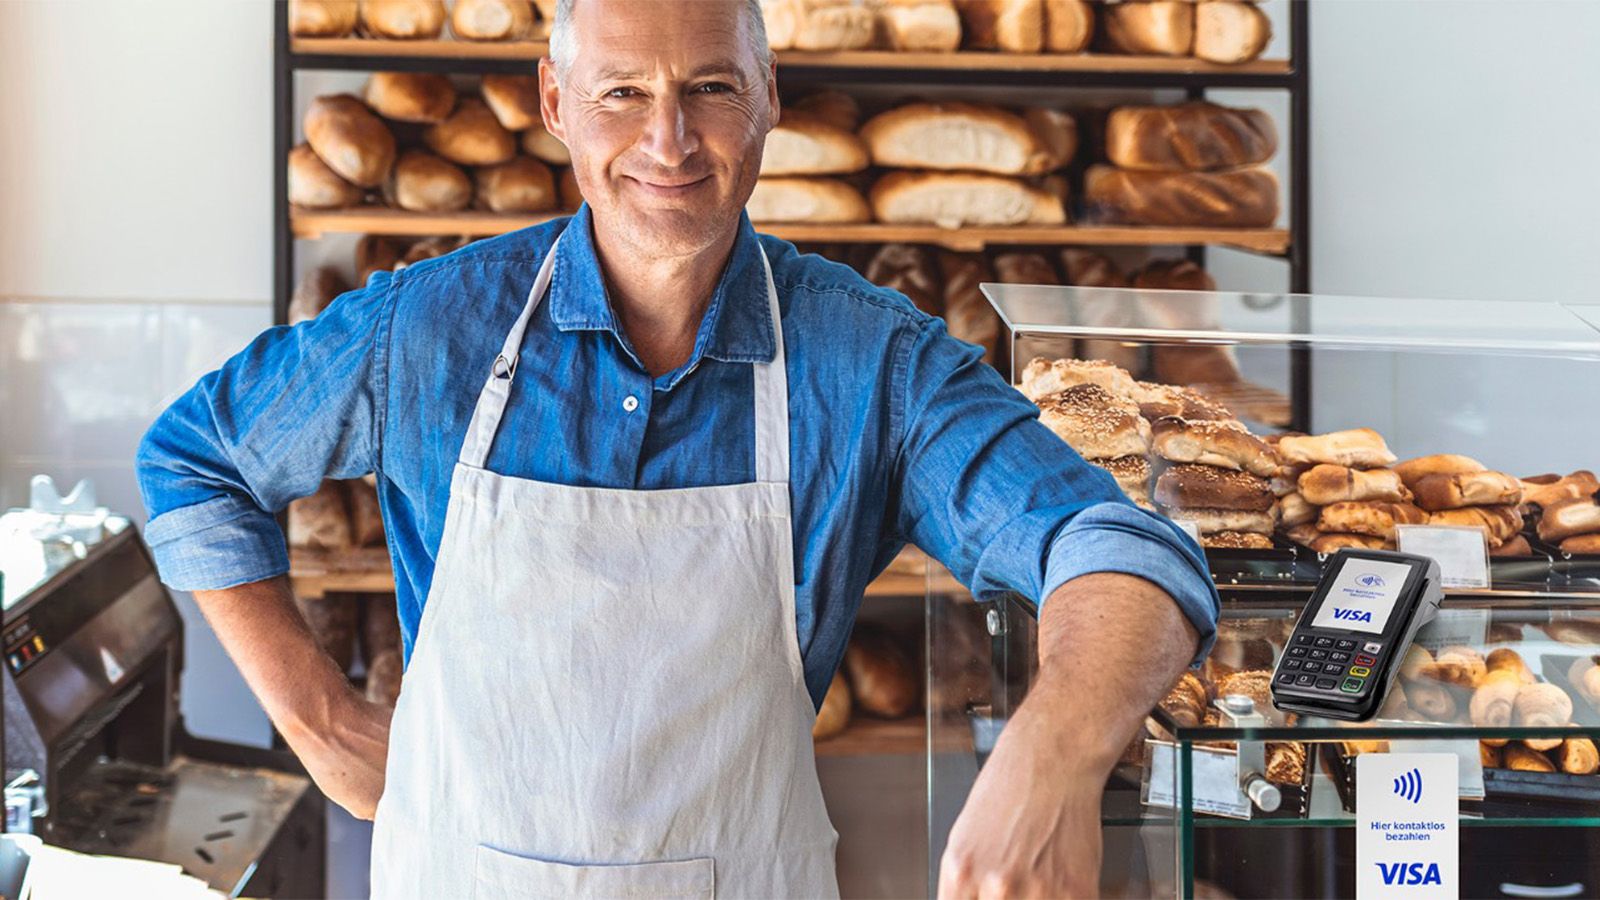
340 737
1109 645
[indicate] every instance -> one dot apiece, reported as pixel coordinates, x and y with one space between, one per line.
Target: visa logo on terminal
1352 615
1401 873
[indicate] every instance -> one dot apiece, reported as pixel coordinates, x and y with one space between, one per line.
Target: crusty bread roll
967 313
883 680
1525 759
1542 705
1505 659
910 269
410 96
1441 491
833 107
1046 376
930 26
1015 26
1158 400
1132 474
1516 545
806 200
522 185
544 146
471 136
1212 444
423 182
1238 198
492 20
830 25
1372 517
1578 756
376 253
314 292
1544 490
1334 541
808 145
1236 540
1417 468
1563 519
1157 28
514 100
1096 424
567 186
1187 485
781 19
1024 267
970 137
1577 545
1230 32
1211 521
428 248
1068 25
835 712
1324 483
1460 666
1294 510
350 139
1498 523
1188 137
954 199
1357 448
1493 701
322 18
403 19
315 186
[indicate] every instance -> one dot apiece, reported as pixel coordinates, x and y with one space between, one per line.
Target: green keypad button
1351 685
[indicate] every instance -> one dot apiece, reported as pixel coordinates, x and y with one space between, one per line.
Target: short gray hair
564 44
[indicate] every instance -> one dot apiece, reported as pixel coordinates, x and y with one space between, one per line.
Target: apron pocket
500 874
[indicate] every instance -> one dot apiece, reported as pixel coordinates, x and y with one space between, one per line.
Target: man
636 468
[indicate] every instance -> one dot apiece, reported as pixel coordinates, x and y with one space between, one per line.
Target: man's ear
772 93
550 99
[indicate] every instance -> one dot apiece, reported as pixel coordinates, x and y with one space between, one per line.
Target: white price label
1189 528
1216 780
1461 550
1407 825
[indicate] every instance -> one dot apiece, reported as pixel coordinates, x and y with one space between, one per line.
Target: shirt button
630 403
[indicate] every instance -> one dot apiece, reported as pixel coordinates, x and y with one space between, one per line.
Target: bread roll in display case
1475 418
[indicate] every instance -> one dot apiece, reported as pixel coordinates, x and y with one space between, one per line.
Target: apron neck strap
771 385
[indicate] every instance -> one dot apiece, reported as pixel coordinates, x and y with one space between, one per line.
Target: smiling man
637 467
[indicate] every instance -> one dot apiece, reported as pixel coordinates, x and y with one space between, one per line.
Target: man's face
665 110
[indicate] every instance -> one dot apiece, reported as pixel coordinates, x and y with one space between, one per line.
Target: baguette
1237 198
954 199
1567 518
1189 137
807 145
970 137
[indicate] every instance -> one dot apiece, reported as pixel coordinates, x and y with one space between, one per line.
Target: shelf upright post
282 143
1300 209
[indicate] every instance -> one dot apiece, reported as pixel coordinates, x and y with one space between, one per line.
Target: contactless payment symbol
1371 581
1409 786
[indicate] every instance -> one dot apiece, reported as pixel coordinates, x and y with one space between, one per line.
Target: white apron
606 697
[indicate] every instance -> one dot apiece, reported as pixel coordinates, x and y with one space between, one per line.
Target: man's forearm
1109 646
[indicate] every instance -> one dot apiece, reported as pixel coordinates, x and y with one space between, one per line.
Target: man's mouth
670 187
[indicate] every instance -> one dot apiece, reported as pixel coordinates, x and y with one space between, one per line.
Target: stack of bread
1192 164
1014 26
815 138
878 677
470 20
1459 490
1337 491
1567 509
1219 31
467 155
1090 405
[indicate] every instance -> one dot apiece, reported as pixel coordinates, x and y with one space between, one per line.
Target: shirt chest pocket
497 874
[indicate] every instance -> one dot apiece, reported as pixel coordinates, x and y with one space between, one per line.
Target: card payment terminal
1346 649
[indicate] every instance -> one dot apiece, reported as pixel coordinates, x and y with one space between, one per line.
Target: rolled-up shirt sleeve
1008 506
298 405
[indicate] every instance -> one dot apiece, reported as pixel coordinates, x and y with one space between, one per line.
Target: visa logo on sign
1352 615
1409 873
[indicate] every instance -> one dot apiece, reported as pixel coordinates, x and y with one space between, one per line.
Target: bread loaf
1042 376
1015 26
1187 486
544 146
1545 490
1441 491
315 186
471 136
322 520
1190 136
833 107
567 186
1498 523
492 20
1413 470
830 25
376 253
806 200
514 100
1563 519
1068 25
883 680
970 137
350 139
322 18
1235 540
410 96
807 145
403 19
1577 545
422 182
1157 28
1212 444
1374 517
315 291
1230 32
1238 198
332 621
967 314
911 270
1095 423
1323 484
522 185
1210 521
781 19
932 26
1357 448
835 712
954 199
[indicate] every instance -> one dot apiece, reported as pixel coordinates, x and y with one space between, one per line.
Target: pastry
1041 377
1096 424
1358 448
1324 483
1371 517
1451 491
1286 762
1545 490
1210 521
1186 486
1294 510
1498 523
1212 444
1566 518
1189 136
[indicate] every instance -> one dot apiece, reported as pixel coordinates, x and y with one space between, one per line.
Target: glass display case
1471 418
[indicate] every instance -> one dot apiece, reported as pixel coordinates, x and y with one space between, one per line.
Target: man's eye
714 87
621 93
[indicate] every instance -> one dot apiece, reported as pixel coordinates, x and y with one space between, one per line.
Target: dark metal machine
97 758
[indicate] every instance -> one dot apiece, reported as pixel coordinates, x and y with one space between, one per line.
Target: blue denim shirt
899 433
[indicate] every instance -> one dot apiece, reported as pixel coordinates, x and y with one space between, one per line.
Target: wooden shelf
382 220
959 61
866 736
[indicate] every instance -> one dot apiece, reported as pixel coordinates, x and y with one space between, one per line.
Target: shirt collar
737 326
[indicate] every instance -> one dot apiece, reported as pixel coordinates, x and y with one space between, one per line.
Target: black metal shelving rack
1295 82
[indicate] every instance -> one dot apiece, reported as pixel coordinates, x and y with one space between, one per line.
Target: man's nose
668 136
